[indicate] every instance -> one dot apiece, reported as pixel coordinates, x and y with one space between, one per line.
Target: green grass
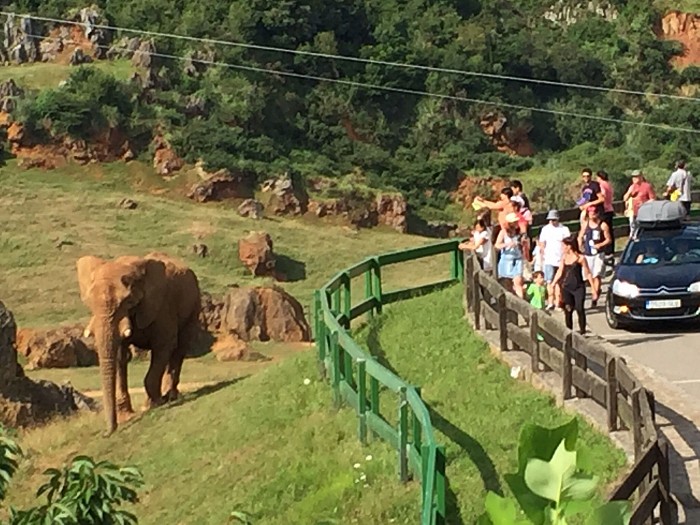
41 75
476 407
267 445
78 205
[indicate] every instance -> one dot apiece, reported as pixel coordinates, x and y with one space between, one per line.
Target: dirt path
182 387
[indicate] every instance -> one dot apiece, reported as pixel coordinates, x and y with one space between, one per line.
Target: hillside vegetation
418 144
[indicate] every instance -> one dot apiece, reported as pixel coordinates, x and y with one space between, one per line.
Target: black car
657 278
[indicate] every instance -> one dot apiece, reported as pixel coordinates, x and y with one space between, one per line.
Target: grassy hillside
475 406
42 75
77 206
267 445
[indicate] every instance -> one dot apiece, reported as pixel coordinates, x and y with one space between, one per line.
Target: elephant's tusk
127 332
87 333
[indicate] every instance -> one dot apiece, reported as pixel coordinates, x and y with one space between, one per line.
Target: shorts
596 264
509 268
549 272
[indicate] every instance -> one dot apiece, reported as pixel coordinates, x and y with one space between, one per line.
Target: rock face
212 308
79 57
24 402
165 160
255 252
513 141
392 210
259 313
19 45
287 195
685 28
10 92
56 348
470 187
251 208
566 13
223 185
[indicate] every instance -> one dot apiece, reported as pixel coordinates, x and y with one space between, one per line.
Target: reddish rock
165 160
231 348
223 185
470 187
255 252
685 28
288 195
212 307
506 139
56 348
264 314
392 210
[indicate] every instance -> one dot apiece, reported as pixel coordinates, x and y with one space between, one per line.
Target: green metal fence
358 379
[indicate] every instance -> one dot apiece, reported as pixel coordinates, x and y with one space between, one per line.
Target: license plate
664 303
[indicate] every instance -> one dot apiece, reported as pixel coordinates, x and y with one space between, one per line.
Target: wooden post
362 400
567 370
502 321
403 435
377 281
374 396
335 356
535 338
468 282
347 300
369 290
581 362
477 302
417 429
637 424
611 388
494 261
667 503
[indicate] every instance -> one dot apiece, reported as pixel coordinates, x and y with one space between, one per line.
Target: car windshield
663 247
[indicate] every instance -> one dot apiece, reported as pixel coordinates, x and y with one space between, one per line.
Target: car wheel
612 319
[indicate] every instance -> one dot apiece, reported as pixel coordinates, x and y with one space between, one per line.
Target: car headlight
625 289
695 287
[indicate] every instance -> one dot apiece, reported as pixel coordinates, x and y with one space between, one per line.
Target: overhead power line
406 91
363 60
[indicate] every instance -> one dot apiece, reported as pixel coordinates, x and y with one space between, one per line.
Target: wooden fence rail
586 369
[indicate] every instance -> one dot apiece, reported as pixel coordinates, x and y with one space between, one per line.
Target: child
480 243
537 293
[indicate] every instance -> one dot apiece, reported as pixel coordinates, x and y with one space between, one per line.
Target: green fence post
440 486
417 429
403 435
377 269
335 308
347 300
374 396
424 457
335 353
454 264
361 400
369 289
460 263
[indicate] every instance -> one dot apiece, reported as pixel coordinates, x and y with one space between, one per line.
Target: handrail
348 367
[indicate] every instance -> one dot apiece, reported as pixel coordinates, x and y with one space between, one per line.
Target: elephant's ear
147 285
86 267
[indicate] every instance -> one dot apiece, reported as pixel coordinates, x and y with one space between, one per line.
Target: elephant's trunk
107 341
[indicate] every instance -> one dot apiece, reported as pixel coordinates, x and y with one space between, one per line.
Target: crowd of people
552 270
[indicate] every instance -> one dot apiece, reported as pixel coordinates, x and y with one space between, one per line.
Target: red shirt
606 187
641 193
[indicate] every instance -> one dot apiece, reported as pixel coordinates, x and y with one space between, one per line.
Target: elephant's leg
123 397
159 361
186 338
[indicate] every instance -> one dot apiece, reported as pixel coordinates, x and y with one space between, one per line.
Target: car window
662 249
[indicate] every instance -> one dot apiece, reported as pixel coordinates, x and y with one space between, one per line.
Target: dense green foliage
414 143
82 493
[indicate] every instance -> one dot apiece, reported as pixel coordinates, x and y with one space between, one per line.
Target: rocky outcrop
212 307
166 161
251 208
507 139
24 402
20 43
223 185
288 195
565 12
124 48
259 313
256 253
685 28
10 93
470 187
197 61
56 348
143 56
78 57
392 210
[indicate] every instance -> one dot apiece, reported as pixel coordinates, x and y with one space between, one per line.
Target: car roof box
660 214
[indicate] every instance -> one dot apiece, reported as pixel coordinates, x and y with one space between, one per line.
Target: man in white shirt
551 251
680 180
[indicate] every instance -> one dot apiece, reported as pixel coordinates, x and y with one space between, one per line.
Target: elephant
151 302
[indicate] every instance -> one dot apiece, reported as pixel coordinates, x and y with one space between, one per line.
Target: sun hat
637 173
553 215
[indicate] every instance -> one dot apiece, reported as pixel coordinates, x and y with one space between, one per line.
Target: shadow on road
681 485
629 341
